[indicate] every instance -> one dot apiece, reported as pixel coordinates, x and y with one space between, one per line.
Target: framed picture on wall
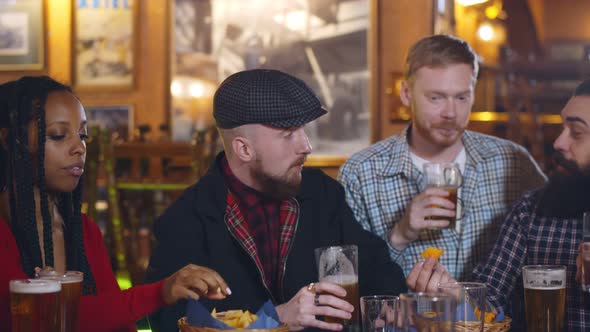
443 17
103 47
117 118
21 35
324 43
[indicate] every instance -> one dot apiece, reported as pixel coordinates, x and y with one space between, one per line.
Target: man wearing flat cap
258 214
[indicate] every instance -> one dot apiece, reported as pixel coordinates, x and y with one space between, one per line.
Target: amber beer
544 297
71 291
351 285
34 305
446 176
453 198
339 265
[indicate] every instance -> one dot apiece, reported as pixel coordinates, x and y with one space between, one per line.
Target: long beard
566 195
279 188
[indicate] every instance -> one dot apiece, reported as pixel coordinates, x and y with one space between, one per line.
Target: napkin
198 315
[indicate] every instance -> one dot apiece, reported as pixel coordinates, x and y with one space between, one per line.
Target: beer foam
544 288
34 286
67 278
343 279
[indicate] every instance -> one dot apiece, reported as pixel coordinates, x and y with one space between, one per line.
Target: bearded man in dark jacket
258 214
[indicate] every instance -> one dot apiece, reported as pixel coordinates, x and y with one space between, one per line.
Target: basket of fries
198 319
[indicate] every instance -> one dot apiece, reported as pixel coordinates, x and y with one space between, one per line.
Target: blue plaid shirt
381 180
529 239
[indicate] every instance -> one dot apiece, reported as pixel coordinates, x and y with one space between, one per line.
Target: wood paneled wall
150 96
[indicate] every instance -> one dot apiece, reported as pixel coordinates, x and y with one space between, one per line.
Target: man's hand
427 275
194 281
300 312
430 202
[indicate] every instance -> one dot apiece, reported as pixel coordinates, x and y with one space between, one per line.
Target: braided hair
22 102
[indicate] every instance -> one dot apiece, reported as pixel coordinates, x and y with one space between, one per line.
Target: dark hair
437 51
583 89
21 103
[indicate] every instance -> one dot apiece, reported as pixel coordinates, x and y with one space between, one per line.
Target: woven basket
501 326
184 327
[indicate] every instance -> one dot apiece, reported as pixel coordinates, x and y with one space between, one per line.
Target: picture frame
22 35
118 118
211 40
568 51
443 17
104 38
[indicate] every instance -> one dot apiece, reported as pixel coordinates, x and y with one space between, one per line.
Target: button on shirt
381 180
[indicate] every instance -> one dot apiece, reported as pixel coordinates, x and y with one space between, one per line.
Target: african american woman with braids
42 153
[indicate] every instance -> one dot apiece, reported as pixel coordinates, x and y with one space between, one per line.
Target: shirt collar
400 162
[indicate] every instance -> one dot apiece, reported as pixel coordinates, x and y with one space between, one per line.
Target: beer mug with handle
339 265
544 297
446 176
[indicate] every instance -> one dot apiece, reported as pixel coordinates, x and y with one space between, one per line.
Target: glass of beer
446 176
428 312
471 303
586 253
71 291
34 305
339 265
544 297
379 313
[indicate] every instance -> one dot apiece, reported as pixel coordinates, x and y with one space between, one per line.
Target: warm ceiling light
485 32
492 12
470 2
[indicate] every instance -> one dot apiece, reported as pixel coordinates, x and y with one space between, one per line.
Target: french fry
238 319
432 252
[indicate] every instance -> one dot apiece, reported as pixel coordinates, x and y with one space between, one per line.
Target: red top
110 310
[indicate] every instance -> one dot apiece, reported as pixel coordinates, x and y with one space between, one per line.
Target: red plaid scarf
262 225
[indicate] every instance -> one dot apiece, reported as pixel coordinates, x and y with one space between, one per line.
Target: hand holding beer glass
446 176
34 305
544 297
339 265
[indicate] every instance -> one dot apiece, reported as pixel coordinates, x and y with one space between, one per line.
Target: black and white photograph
21 35
323 42
14 33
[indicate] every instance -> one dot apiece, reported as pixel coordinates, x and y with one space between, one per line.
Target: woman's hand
194 281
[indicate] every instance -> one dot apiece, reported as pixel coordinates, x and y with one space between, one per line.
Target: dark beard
566 195
274 187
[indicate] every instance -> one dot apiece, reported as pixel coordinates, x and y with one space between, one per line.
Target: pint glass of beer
446 176
339 265
71 291
544 297
34 305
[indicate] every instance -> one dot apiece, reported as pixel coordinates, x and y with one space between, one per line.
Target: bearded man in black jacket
258 214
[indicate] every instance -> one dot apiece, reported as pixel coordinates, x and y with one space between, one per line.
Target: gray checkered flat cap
265 96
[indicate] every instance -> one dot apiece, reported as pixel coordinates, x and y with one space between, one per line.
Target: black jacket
192 230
